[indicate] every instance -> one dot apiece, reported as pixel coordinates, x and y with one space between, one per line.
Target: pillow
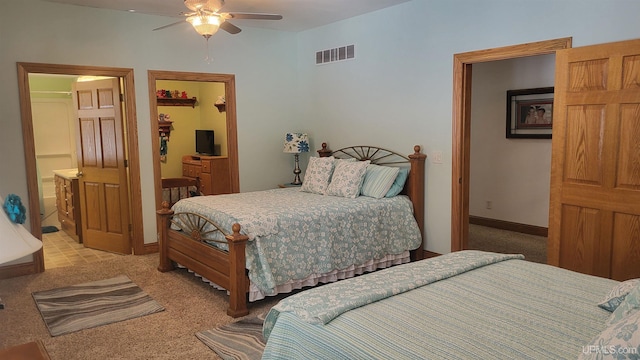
617 294
347 179
616 341
317 175
630 304
398 184
378 180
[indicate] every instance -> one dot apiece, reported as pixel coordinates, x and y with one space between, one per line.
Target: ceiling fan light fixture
205 25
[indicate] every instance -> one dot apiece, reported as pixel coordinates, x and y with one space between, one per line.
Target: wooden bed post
415 191
164 222
238 280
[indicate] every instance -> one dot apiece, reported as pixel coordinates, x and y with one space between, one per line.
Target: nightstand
288 185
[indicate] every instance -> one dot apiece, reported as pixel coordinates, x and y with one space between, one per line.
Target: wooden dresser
212 171
68 202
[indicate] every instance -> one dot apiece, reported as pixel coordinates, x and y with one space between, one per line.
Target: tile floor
61 250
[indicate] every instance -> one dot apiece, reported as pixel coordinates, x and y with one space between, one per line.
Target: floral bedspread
294 234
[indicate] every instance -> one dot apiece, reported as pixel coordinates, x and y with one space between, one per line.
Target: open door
102 173
594 224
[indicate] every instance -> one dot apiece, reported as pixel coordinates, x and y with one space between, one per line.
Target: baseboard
12 271
429 254
508 225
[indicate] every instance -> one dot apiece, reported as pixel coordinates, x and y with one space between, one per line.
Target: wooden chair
174 189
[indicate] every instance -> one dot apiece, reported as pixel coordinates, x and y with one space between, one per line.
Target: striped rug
74 308
241 340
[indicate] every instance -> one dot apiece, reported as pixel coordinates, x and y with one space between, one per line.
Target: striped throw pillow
378 180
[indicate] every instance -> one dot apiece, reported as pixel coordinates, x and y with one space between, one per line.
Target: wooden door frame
232 127
461 132
24 69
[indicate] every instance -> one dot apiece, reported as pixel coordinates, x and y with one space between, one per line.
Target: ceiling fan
206 18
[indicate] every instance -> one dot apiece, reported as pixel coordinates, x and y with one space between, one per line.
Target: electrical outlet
489 204
437 157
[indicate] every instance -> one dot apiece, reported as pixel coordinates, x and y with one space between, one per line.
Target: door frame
229 81
461 121
135 204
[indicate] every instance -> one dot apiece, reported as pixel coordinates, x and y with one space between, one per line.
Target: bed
257 244
463 305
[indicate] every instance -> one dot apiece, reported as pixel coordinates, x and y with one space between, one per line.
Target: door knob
79 174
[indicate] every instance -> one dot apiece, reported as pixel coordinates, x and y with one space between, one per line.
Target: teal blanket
476 306
321 305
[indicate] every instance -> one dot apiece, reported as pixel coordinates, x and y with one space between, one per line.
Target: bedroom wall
396 93
513 174
67 34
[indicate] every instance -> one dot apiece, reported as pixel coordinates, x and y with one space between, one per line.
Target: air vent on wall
335 54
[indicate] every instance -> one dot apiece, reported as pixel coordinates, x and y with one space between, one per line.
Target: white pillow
378 180
347 179
317 175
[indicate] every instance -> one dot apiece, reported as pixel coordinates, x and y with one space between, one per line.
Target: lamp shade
296 143
205 25
15 241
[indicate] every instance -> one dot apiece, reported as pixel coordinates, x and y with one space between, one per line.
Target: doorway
126 76
231 137
461 131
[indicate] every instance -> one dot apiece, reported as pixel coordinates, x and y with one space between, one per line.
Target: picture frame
530 113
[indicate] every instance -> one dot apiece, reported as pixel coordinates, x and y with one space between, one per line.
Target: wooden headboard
414 186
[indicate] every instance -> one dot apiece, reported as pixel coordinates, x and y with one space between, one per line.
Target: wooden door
104 201
594 224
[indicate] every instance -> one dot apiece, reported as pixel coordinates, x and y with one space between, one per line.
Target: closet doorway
229 140
463 64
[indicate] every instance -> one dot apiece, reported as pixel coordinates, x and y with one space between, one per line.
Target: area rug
74 308
241 340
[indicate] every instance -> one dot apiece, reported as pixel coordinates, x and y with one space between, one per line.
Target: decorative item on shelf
221 103
184 95
164 126
176 101
296 143
167 94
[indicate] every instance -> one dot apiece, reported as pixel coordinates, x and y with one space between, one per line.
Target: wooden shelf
177 102
165 128
221 107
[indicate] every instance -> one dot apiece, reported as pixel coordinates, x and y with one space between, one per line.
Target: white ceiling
297 15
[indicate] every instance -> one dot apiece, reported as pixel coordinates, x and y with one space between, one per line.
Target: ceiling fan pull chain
208 59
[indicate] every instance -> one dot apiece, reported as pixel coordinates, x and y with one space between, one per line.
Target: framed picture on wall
530 113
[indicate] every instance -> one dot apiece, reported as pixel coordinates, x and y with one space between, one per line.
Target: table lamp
296 143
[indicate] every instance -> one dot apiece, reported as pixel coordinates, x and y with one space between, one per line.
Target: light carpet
241 340
74 308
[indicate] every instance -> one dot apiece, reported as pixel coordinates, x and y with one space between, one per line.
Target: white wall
263 62
513 174
396 93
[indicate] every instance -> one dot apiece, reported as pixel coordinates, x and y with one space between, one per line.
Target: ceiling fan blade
230 28
255 16
166 26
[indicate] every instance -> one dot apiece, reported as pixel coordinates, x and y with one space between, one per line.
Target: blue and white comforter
294 234
463 305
